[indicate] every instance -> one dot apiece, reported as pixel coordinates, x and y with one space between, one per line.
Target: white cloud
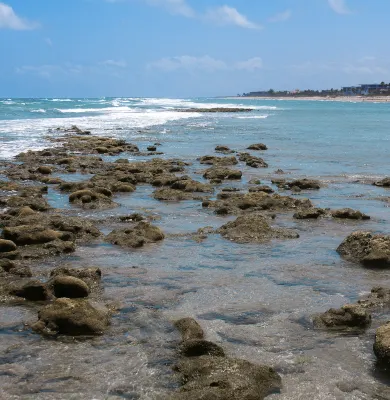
249 65
281 17
176 7
204 63
339 6
9 19
113 63
226 15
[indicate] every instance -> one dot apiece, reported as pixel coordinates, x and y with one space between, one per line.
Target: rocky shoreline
71 302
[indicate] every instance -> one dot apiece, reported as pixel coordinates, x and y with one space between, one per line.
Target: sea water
254 300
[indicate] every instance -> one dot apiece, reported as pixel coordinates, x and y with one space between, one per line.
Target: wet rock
222 378
35 203
382 344
28 235
311 213
253 228
383 183
168 194
138 236
255 181
45 170
123 188
304 184
71 317
230 189
92 199
252 161
189 329
81 228
90 275
257 146
33 290
221 161
261 188
223 150
164 180
222 173
122 161
7 245
26 212
346 317
190 185
151 148
348 213
200 347
378 297
12 268
69 286
366 248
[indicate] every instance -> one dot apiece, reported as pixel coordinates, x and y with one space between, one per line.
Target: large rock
71 317
349 213
189 329
366 248
382 344
254 228
385 182
168 194
304 184
213 160
310 213
200 347
33 290
99 198
252 161
7 245
14 268
69 286
36 234
346 317
222 173
257 146
138 236
90 275
223 149
220 378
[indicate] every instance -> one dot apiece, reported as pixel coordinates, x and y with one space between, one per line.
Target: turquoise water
254 300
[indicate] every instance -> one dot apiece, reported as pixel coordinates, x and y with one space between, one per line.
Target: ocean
254 300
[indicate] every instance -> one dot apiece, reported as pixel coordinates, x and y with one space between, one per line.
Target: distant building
366 89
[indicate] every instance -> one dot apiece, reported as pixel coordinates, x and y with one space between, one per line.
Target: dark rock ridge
382 344
350 316
348 213
366 248
257 146
385 182
254 228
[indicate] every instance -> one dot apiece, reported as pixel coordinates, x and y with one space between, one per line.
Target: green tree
271 91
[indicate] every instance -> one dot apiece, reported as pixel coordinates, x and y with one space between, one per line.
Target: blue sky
187 48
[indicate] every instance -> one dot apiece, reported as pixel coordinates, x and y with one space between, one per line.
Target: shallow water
254 300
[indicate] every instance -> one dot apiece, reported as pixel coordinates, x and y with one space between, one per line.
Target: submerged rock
366 248
304 184
221 378
346 317
349 213
71 317
189 329
138 236
382 344
254 228
383 183
257 146
200 347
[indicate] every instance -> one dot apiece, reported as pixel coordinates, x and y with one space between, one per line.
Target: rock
348 213
43 169
69 286
221 378
122 161
252 161
218 161
71 317
33 290
123 188
99 198
200 347
383 183
261 188
12 268
311 213
382 344
304 184
366 248
258 146
168 194
189 185
35 234
90 275
35 203
222 173
151 148
138 236
346 317
189 329
223 150
378 297
26 212
255 181
7 245
253 228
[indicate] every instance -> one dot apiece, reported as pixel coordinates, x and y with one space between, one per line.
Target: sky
189 48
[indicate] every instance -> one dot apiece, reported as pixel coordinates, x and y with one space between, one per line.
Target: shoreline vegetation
347 99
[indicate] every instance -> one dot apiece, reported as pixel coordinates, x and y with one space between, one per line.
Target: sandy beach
349 99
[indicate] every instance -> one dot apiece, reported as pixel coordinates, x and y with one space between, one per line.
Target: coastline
344 99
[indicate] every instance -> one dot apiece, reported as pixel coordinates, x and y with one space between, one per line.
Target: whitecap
40 110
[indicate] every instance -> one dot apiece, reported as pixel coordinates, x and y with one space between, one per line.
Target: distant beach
349 99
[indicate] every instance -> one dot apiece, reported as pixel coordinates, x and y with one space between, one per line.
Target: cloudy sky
188 48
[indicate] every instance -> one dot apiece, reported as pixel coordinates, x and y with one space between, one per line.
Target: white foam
61 100
40 110
254 117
